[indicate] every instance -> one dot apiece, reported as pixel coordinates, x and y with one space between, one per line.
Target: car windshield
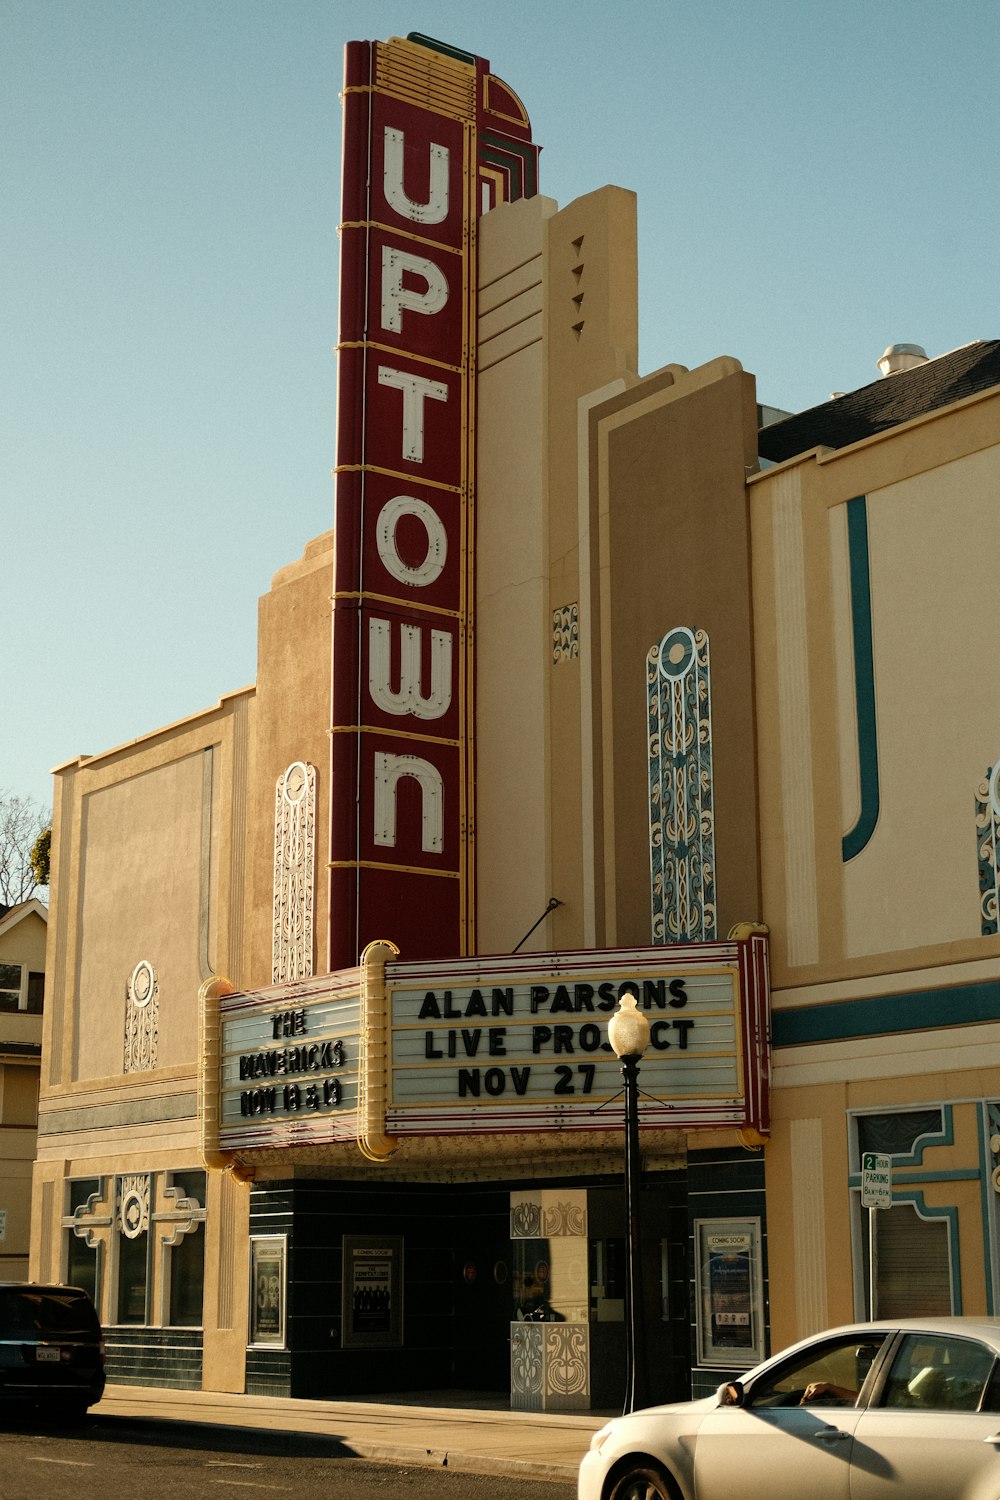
27 1311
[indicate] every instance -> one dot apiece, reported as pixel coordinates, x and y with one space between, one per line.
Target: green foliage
23 825
40 857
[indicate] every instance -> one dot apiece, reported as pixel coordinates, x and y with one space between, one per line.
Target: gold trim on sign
374 864
434 484
406 234
423 359
495 175
397 734
366 595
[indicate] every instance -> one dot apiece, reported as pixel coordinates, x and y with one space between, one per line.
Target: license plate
47 1356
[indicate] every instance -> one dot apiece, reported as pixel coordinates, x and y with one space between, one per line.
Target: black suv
51 1348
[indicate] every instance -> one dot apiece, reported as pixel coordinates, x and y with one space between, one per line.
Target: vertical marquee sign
431 140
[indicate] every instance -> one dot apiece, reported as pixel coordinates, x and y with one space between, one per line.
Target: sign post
876 1192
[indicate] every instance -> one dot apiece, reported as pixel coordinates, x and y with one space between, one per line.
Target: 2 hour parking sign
876 1180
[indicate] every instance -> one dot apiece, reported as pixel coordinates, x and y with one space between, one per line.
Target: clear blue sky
815 181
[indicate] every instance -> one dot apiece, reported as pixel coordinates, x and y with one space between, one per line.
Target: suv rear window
25 1310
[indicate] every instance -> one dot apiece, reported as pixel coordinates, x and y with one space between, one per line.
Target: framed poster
730 1306
373 1291
268 1272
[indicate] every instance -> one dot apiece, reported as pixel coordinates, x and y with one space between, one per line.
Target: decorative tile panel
987 844
681 794
566 1215
526 1366
565 1365
565 633
142 1016
294 873
525 1218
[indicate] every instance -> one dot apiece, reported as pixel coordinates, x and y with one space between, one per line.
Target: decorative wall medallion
566 1359
133 1205
294 873
142 1014
681 795
525 1220
565 633
987 845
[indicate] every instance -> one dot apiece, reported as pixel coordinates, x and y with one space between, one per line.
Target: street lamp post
628 1033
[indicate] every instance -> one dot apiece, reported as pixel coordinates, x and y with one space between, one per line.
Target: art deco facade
726 729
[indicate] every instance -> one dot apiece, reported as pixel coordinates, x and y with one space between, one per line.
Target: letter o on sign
437 541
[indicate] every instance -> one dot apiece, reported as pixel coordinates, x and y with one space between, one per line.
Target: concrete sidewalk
468 1437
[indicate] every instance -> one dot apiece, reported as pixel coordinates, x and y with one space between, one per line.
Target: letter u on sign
435 210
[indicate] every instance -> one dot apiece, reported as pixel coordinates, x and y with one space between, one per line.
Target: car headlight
600 1438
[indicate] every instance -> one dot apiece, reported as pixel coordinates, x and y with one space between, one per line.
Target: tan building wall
873 956
511 593
558 323
146 900
290 724
671 525
928 490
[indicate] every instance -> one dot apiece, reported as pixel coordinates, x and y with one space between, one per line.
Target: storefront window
184 1201
133 1278
914 1265
913 1251
132 1224
896 1134
187 1279
608 1266
83 1251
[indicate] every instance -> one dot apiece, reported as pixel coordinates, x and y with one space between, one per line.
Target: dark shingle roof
885 403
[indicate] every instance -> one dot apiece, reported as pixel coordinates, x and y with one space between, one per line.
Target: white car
905 1410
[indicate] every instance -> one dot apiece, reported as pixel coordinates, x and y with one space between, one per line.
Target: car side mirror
730 1394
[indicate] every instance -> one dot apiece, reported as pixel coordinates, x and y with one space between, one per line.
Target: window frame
818 1351
21 990
877 1397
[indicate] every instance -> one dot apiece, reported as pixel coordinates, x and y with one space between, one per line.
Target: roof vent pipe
899 357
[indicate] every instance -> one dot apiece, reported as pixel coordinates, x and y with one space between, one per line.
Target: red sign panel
431 139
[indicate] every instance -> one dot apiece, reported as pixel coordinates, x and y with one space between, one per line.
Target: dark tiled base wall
454 1331
269 1372
154 1356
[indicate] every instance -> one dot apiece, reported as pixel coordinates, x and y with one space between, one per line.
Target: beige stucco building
725 682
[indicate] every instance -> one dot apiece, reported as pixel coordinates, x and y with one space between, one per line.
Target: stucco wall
511 594
909 886
292 723
143 870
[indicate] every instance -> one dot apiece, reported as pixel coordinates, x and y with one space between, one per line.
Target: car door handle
831 1435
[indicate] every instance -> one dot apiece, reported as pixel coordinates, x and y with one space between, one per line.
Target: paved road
124 1459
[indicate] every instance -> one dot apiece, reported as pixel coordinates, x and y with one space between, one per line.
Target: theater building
593 681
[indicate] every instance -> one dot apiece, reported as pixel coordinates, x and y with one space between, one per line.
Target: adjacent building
23 929
626 687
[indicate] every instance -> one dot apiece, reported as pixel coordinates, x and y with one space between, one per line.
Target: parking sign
876 1180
